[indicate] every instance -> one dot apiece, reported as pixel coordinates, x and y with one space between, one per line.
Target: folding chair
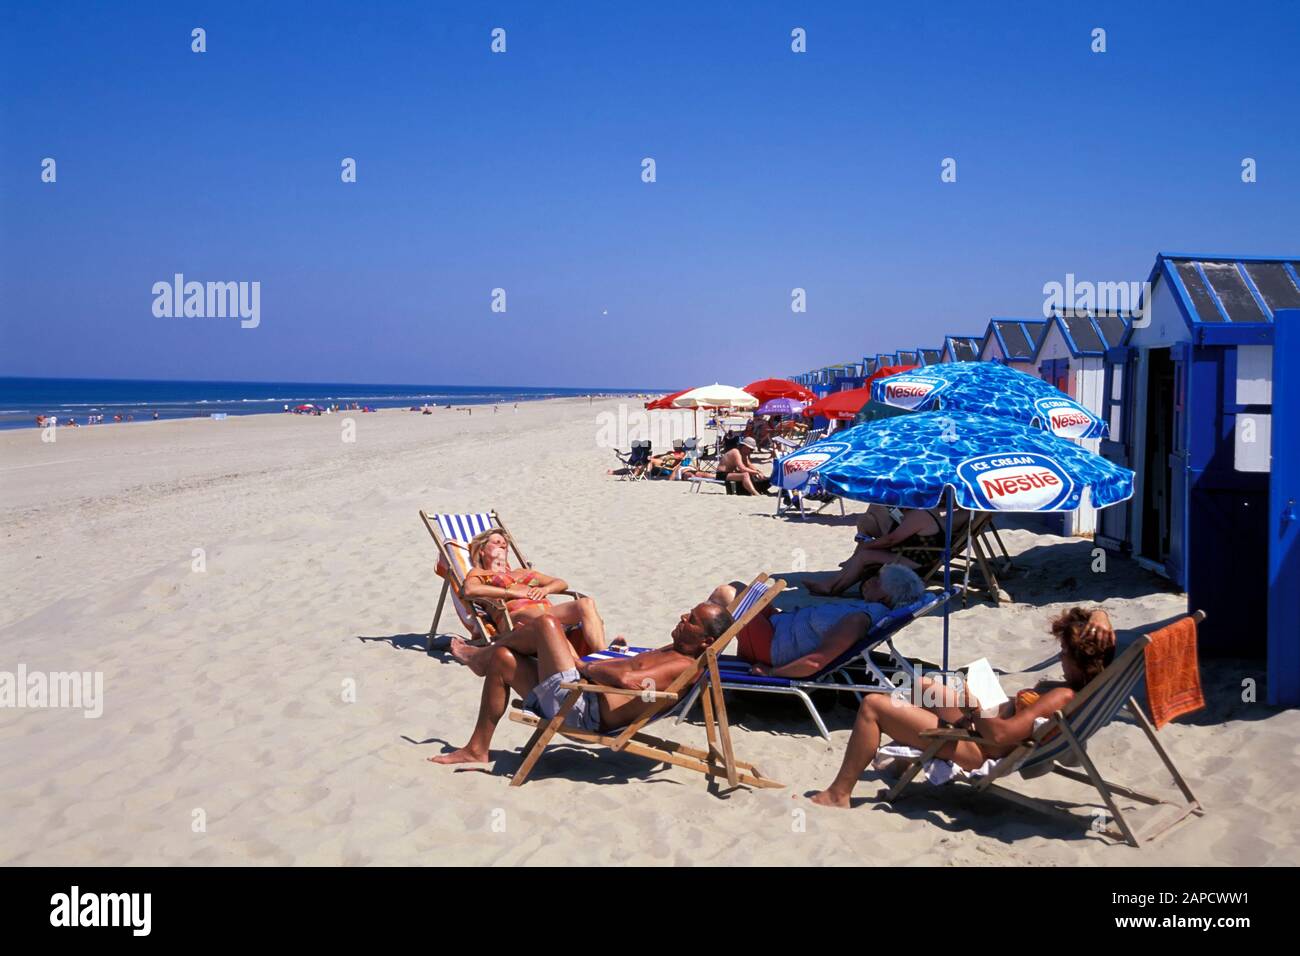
1065 736
718 760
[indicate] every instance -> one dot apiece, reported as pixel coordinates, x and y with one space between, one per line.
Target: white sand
223 689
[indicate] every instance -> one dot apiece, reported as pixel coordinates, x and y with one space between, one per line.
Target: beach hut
1013 342
1071 355
961 348
1188 397
902 357
929 357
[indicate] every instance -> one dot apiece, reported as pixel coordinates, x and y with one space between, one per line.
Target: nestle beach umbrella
979 463
780 406
990 388
715 396
768 388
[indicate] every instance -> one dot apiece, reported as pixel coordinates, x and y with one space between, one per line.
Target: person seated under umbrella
888 536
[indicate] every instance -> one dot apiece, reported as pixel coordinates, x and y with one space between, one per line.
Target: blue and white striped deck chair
718 760
856 670
1064 738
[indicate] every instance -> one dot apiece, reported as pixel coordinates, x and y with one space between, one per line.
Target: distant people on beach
1087 642
734 465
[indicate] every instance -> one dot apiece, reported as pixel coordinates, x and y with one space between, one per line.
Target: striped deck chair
979 534
857 671
452 534
1064 737
719 760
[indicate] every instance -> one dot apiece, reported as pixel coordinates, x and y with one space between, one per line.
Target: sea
81 399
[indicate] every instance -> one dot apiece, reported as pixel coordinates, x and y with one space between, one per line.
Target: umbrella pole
947 574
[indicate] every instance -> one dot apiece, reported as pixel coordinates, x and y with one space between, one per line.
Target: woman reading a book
1087 642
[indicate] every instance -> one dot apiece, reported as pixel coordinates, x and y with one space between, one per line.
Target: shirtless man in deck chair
557 663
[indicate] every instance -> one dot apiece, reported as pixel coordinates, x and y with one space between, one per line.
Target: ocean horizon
22 398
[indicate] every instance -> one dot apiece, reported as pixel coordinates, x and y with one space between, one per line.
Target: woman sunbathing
801 642
522 594
889 536
1087 645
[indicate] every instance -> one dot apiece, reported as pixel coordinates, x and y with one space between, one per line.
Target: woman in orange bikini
521 592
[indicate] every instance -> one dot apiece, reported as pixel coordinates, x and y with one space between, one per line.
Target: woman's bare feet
469 655
829 798
463 755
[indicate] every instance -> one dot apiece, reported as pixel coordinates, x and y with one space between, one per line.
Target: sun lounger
1064 738
718 760
858 670
451 534
981 532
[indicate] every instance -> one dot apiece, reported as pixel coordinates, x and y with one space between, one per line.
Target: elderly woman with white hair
801 642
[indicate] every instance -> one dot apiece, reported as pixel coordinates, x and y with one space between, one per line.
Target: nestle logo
907 390
1017 484
1070 420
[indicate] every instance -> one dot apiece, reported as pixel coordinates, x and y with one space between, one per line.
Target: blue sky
522 171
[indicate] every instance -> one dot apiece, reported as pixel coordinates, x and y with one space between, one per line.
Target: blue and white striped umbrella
989 388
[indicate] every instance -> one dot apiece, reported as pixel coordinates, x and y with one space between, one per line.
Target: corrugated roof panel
1112 328
1013 337
1233 292
1036 332
1084 335
1202 301
965 350
1274 284
932 356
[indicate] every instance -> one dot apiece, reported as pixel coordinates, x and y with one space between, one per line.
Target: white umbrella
716 396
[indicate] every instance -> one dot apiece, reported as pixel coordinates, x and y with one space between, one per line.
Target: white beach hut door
1117 409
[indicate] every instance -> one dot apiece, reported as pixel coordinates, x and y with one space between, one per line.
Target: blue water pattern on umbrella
991 464
990 388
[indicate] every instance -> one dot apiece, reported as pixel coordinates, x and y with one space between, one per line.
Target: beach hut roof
1087 333
1017 338
905 358
1228 299
930 356
964 348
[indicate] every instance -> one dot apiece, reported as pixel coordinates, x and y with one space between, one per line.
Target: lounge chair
451 534
718 760
1064 738
859 670
980 533
635 461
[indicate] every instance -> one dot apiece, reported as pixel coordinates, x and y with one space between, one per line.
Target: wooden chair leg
1098 783
437 615
720 713
541 737
1136 710
912 770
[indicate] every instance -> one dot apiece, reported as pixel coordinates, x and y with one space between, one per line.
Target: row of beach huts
1195 385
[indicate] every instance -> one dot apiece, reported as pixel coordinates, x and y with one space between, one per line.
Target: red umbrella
767 389
839 405
666 401
845 405
885 371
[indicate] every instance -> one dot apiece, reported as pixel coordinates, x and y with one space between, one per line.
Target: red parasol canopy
767 389
665 401
845 405
839 405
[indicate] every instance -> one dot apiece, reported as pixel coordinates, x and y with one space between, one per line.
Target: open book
983 685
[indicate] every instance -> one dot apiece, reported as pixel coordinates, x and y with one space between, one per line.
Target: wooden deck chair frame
979 530
473 614
719 760
1060 722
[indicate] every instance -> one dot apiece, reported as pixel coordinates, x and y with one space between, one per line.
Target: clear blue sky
523 171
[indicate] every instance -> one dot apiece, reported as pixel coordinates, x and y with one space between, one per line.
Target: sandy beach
256 593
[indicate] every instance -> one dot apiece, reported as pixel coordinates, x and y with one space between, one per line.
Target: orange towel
1173 675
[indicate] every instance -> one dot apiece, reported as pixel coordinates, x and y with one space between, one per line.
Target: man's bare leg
475 658
504 671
